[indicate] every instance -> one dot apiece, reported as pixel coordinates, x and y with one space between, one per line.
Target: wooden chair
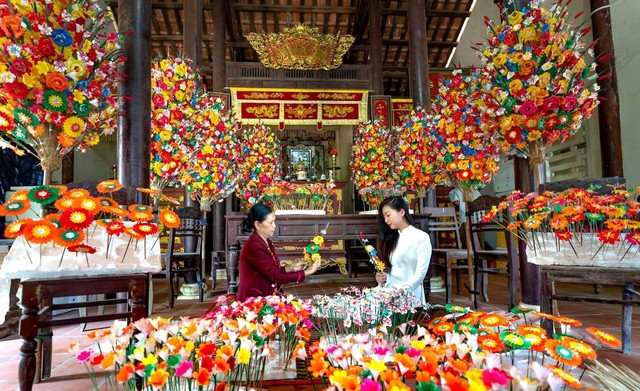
444 220
187 263
485 260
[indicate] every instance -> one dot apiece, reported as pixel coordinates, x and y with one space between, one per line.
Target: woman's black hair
390 236
257 213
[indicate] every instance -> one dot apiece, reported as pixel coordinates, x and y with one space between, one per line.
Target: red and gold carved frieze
299 107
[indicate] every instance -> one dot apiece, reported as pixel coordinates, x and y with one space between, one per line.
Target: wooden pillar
529 272
192 43
418 54
525 182
134 126
419 64
375 47
609 110
192 38
218 83
219 78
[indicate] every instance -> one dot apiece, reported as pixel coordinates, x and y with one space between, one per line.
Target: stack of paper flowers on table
292 196
229 348
355 310
575 225
463 350
83 224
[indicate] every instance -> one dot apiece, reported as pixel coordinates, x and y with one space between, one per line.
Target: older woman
260 270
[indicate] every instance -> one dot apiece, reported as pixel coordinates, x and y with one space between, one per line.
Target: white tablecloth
26 260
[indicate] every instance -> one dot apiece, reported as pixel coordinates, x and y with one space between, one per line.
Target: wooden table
626 278
302 228
36 321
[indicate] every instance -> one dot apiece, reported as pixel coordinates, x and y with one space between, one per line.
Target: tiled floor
69 376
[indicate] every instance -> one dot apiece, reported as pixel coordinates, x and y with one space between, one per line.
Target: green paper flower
25 118
514 341
55 101
43 195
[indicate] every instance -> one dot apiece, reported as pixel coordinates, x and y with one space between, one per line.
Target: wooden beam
429 13
277 8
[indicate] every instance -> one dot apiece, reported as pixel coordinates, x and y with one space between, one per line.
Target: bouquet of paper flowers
211 173
355 310
372 164
293 196
543 81
258 163
229 348
463 131
59 69
378 265
176 88
461 351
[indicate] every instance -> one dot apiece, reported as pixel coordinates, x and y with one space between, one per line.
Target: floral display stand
627 278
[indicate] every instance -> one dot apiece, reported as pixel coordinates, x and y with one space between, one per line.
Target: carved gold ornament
300 47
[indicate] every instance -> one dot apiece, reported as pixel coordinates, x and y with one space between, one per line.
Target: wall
96 163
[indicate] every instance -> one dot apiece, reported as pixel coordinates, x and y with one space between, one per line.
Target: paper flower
541 76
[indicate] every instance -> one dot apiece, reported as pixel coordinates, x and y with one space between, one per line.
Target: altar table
626 278
294 232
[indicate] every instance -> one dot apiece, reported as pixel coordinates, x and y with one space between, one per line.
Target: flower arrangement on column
210 172
175 89
59 74
463 132
542 78
258 163
372 164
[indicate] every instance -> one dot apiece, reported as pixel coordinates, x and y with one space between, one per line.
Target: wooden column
609 110
525 182
375 47
218 83
134 126
418 55
529 272
419 64
192 38
192 43
218 80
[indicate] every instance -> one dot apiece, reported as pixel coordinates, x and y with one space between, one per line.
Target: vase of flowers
542 78
59 88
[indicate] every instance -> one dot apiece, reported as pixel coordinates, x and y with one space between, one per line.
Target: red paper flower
82 248
76 218
115 228
145 229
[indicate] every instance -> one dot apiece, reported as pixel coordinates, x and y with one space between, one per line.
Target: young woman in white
405 249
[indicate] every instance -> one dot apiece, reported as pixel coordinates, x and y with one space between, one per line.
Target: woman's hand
300 265
313 268
381 278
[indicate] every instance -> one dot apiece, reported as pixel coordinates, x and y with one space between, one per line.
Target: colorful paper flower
169 218
44 195
108 186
